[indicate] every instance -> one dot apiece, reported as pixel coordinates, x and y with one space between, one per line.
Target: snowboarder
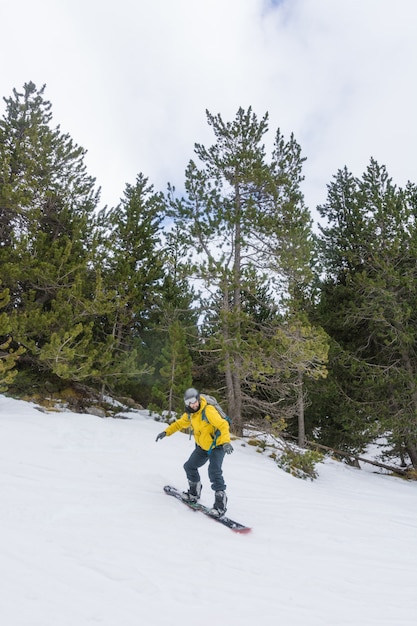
212 437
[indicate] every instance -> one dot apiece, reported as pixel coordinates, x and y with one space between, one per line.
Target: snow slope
87 536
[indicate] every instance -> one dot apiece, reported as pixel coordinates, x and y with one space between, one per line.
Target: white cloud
130 81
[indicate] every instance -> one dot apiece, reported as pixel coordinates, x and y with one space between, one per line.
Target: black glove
228 448
161 435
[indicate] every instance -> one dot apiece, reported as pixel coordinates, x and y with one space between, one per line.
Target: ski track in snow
88 537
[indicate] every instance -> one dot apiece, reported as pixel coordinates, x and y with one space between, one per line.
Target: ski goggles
190 401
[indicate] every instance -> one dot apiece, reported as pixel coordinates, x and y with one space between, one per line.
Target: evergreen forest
304 329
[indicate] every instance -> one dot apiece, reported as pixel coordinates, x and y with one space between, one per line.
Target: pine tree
174 371
47 229
368 305
246 226
133 270
303 354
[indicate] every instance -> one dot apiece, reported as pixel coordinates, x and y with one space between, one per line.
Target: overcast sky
130 80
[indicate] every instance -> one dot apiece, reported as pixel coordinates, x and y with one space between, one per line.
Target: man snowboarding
212 437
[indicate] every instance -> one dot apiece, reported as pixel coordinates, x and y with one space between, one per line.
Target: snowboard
196 506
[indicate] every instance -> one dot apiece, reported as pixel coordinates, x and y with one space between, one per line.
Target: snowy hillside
87 536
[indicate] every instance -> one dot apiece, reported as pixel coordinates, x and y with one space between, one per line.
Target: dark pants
198 458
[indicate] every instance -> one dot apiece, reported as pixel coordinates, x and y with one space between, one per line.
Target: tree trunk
351 455
232 407
233 392
410 446
237 307
237 390
412 453
300 411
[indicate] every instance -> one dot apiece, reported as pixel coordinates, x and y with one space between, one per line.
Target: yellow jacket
209 432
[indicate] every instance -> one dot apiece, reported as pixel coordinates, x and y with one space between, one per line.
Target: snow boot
194 492
220 504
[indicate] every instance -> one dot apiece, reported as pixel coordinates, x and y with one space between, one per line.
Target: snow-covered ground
88 537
